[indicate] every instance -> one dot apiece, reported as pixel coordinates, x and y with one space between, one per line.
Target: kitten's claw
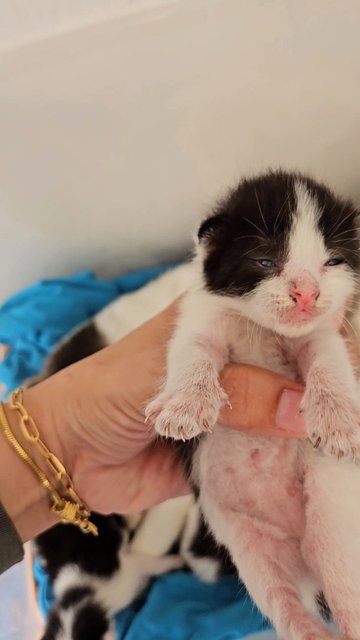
185 415
207 427
333 420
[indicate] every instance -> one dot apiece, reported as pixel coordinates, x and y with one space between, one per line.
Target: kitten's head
284 249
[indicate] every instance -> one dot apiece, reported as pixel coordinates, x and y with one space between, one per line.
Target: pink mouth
297 316
302 315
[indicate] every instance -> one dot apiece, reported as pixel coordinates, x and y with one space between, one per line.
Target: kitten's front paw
333 421
185 415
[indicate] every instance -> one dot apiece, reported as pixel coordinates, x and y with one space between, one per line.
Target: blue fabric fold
34 320
176 606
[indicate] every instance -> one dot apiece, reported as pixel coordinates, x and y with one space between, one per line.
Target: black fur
185 452
323 607
64 544
90 623
203 545
253 222
81 344
53 627
75 596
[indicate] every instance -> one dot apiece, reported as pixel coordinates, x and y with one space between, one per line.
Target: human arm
91 415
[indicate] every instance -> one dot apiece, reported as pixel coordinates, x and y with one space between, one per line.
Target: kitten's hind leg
332 536
271 566
85 604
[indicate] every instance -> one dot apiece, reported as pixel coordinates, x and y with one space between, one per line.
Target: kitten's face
284 250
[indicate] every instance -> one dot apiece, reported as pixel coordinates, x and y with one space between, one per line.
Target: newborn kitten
275 265
93 578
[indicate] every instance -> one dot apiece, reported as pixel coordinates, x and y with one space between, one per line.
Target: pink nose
305 298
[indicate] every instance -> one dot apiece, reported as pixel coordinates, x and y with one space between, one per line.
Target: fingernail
288 414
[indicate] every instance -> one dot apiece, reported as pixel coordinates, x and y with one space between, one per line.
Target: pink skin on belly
262 528
273 464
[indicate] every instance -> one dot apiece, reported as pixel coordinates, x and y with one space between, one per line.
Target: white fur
141 559
131 310
207 569
113 593
306 244
161 527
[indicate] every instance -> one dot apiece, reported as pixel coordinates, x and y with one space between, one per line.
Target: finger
262 402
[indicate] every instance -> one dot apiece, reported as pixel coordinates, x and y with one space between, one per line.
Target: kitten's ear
209 228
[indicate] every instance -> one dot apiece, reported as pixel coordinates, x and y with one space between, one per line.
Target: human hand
95 409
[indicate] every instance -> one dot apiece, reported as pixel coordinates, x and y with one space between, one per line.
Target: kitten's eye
334 262
266 263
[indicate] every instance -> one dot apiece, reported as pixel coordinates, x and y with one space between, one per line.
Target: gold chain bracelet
66 503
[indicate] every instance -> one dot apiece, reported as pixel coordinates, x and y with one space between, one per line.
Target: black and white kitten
278 260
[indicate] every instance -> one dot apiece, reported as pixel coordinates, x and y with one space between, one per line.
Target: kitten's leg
161 527
331 401
206 559
85 604
270 564
331 542
192 396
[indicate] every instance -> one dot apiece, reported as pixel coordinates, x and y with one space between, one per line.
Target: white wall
115 136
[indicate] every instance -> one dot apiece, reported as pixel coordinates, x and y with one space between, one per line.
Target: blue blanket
175 606
33 321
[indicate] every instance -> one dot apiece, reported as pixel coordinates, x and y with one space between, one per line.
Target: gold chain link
66 503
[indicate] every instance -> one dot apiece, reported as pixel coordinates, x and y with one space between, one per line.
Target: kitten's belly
262 477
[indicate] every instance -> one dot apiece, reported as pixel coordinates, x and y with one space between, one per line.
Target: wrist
25 500
41 490
40 402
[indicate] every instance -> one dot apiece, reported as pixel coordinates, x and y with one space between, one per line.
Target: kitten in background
95 577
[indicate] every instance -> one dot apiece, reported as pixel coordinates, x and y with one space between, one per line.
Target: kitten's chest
252 344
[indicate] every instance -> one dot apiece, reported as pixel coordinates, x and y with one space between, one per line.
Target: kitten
95 577
275 264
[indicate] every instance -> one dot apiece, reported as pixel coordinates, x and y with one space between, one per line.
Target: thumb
262 402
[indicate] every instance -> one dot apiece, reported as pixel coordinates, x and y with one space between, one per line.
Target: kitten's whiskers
261 211
253 250
340 221
278 216
254 225
248 236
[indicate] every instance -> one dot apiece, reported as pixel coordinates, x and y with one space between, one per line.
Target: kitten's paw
333 422
185 415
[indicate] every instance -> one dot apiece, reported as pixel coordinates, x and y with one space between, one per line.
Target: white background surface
121 120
